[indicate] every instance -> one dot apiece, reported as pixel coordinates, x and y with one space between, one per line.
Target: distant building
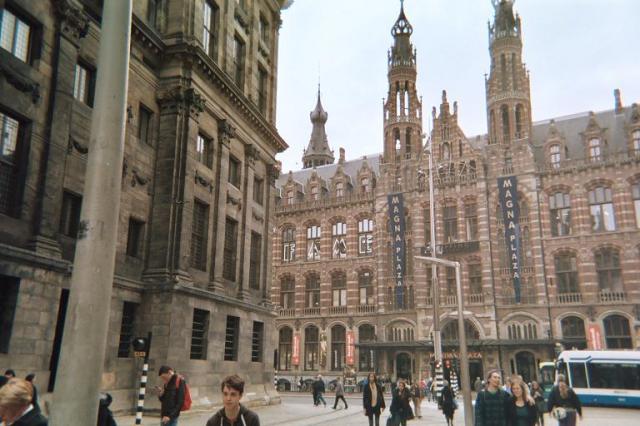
197 194
352 296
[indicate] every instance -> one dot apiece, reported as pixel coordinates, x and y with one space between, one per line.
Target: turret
318 152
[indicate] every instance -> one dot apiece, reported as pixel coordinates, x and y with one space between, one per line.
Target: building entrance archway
526 366
403 366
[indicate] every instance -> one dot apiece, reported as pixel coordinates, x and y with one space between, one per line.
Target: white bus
607 378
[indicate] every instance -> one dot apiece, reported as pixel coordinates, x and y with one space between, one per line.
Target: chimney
341 161
618 98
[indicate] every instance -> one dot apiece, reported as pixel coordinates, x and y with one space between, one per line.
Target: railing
475 299
610 159
460 247
455 179
325 202
429 301
527 297
568 298
451 300
311 311
607 296
366 309
337 310
287 312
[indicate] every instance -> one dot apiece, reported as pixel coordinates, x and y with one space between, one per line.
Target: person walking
171 396
232 412
105 416
523 410
416 396
427 389
537 393
30 378
373 400
318 390
16 408
564 403
400 408
477 385
339 394
492 403
447 402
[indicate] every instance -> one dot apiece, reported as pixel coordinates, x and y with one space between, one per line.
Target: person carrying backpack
493 405
171 395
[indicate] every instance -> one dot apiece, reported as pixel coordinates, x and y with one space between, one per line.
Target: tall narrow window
407 142
339 234
15 35
199 233
199 332
635 192
263 29
471 221
365 288
340 189
519 118
230 249
258 190
312 291
514 71
238 61
560 212
145 121
234 172
126 328
9 163
9 289
504 111
255 257
617 332
566 273
595 150
365 237
289 245
257 341
290 198
70 215
364 184
338 345
311 343
339 289
203 150
156 13
83 84
135 237
313 242
554 156
450 214
287 292
601 209
427 226
475 278
573 330
262 90
315 192
635 140
285 345
231 338
503 71
608 269
210 18
451 282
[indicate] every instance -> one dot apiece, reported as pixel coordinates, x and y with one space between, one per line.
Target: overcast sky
578 52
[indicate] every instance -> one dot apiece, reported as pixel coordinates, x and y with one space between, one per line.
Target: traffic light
139 344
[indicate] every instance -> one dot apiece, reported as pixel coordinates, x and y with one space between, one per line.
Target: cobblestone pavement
297 410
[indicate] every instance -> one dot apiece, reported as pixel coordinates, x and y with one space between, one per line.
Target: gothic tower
402 108
507 87
318 152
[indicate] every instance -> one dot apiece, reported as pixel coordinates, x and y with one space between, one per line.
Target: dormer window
290 198
635 140
595 150
554 156
315 193
339 189
364 182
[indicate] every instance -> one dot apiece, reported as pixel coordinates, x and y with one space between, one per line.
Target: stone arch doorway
526 366
403 366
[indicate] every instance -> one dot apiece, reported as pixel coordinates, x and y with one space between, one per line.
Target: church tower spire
402 108
507 87
318 152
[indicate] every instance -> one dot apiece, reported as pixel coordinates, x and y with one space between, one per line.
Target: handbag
559 413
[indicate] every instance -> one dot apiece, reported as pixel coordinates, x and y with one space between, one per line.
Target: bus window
614 376
578 375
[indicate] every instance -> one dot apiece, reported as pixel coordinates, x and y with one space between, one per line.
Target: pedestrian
105 416
434 391
477 385
373 399
339 394
507 385
523 408
416 396
30 378
10 374
492 403
233 413
400 408
447 402
318 391
427 389
16 408
538 396
301 387
564 403
171 396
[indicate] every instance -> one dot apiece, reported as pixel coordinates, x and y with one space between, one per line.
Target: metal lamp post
462 338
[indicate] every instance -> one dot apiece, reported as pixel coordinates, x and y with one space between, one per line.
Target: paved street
297 410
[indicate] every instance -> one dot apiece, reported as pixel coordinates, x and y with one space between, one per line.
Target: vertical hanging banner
295 357
396 214
350 348
508 194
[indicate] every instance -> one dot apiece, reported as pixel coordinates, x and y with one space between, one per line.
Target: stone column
225 133
73 25
273 172
247 222
172 210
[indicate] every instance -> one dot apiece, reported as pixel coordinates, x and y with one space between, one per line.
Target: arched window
285 342
514 71
313 242
446 152
339 289
312 291
365 288
617 332
287 292
311 342
340 189
450 331
406 98
504 112
289 244
560 211
367 333
396 140
554 156
573 332
492 123
290 198
527 252
635 193
608 269
339 236
364 184
601 209
503 71
407 142
519 119
566 275
338 343
595 150
475 278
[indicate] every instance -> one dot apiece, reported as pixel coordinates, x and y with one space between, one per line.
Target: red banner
595 337
295 357
350 348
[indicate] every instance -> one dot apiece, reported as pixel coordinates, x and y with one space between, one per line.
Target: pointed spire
505 23
402 53
318 152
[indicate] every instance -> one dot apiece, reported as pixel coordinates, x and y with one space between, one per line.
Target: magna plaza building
543 216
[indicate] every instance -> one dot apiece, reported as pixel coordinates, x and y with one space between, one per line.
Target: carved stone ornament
273 172
74 144
18 80
201 180
226 132
251 153
73 21
234 201
137 178
257 216
635 113
297 324
180 99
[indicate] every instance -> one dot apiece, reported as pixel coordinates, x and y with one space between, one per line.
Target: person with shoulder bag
447 402
171 396
400 409
564 404
541 405
373 400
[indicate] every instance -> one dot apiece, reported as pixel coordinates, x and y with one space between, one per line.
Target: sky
577 52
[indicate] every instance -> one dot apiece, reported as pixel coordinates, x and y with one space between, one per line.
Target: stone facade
578 188
199 155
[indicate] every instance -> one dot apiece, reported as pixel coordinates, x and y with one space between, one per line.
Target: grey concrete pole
75 400
464 368
437 343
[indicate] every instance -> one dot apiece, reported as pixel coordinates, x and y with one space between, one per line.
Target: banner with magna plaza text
396 215
508 195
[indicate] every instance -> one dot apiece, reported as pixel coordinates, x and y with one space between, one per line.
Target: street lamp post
462 338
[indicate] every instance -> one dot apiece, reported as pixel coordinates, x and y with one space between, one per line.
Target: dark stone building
198 188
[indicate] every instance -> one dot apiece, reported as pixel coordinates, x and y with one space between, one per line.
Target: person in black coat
400 409
447 402
318 390
373 400
171 395
522 407
564 398
105 416
16 408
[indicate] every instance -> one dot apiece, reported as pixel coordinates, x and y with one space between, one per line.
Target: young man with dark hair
171 396
492 404
233 413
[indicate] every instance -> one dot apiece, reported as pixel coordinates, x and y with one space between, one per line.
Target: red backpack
186 404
